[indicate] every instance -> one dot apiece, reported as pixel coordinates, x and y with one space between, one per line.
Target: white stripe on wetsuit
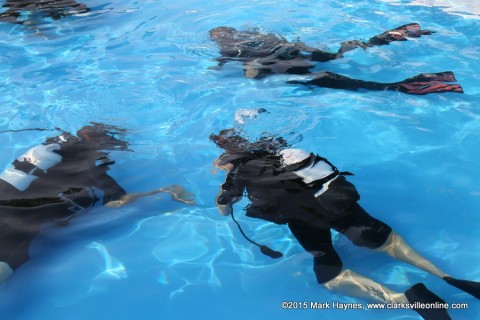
310 173
42 157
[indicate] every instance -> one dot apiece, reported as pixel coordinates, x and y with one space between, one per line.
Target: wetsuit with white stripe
51 183
309 194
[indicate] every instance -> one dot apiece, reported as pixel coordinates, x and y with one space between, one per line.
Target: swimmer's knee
327 272
5 271
377 235
332 283
392 239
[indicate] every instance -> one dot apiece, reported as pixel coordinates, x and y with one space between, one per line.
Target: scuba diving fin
419 294
470 287
421 84
402 33
426 83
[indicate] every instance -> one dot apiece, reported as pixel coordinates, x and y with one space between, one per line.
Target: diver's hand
222 166
5 271
225 210
115 203
224 204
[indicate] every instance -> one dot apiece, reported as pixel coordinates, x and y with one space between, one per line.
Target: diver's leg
336 81
419 85
365 231
262 67
355 285
318 242
398 248
328 270
401 33
352 284
314 54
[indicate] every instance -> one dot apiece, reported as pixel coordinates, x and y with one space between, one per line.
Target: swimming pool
147 66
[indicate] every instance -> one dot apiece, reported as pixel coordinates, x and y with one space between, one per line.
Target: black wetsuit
266 54
278 194
74 184
55 9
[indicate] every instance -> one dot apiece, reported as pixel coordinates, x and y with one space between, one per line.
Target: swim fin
420 294
471 287
402 33
421 84
426 83
446 76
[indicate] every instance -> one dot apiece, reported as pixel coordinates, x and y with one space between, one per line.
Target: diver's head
103 136
231 141
222 33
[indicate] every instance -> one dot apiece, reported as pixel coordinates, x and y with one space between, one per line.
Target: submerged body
55 9
266 54
308 194
53 182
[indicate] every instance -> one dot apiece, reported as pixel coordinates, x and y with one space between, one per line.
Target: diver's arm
231 192
177 193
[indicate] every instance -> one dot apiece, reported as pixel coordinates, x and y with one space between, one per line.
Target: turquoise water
146 66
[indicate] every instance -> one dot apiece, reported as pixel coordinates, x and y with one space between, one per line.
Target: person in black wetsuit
266 54
55 9
53 182
307 192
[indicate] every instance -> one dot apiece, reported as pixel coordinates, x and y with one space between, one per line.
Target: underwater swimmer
308 194
55 181
55 9
265 54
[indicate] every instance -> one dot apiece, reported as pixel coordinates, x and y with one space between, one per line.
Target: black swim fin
420 294
402 33
426 83
470 287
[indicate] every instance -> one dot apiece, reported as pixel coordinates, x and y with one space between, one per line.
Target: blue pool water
147 66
